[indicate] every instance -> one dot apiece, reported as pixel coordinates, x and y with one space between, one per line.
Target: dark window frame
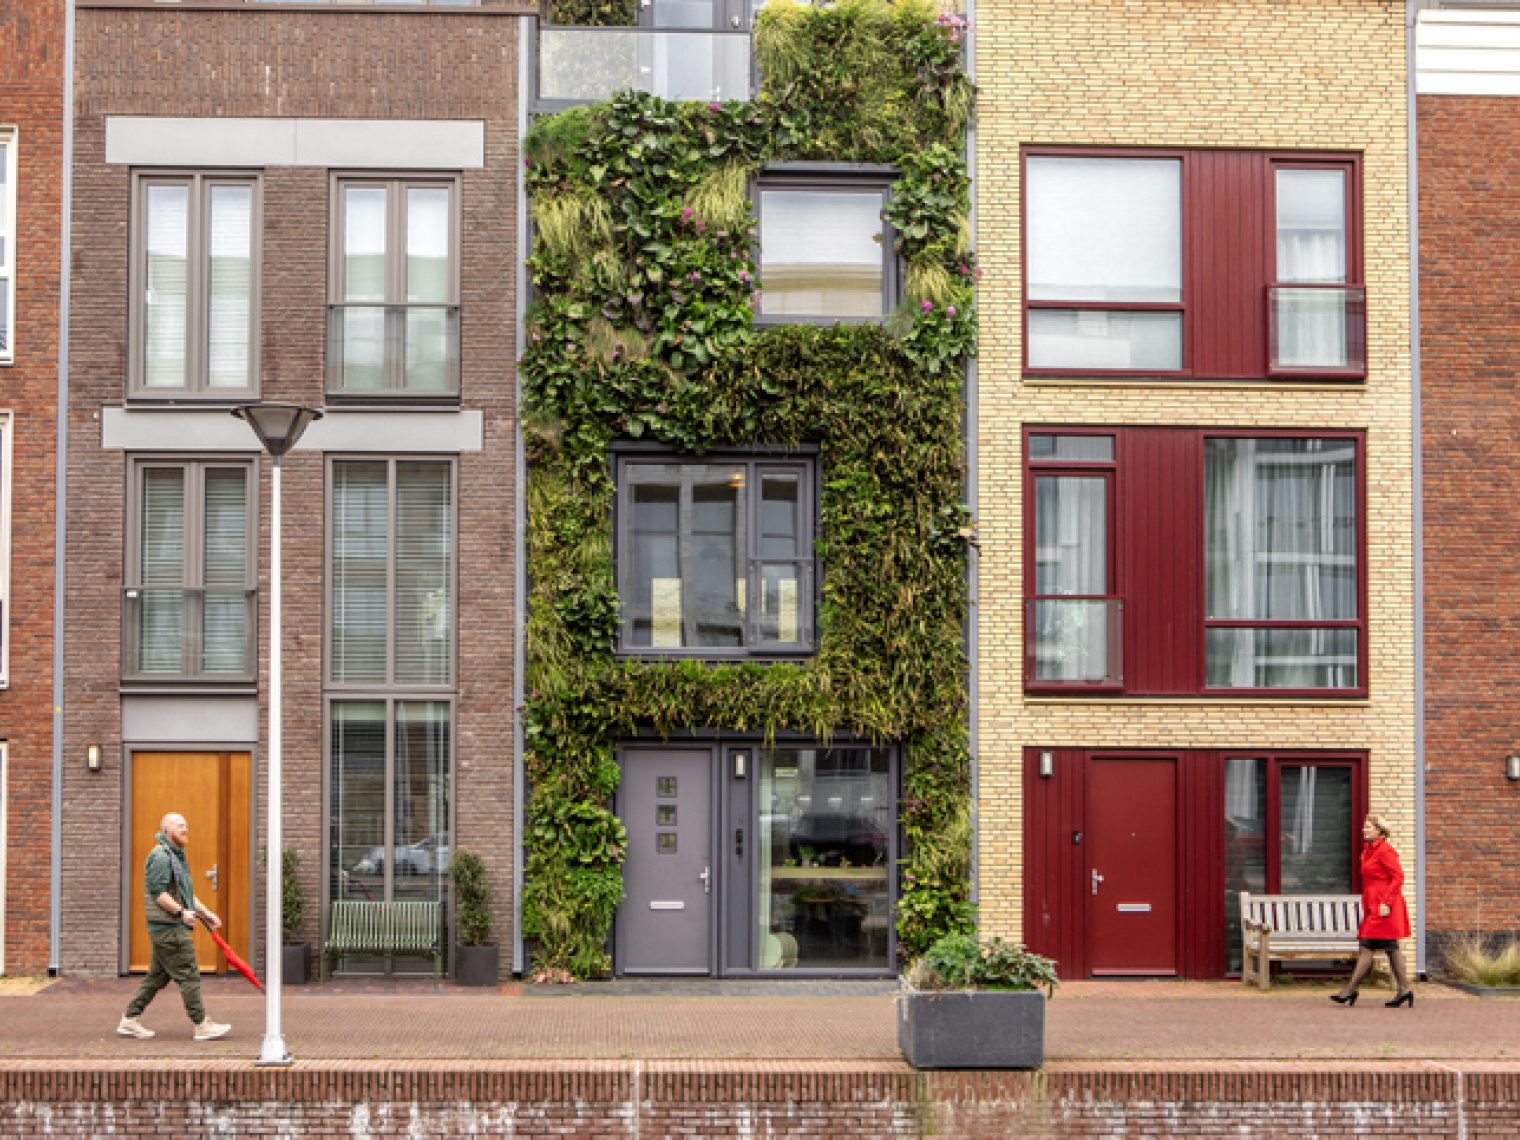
199 184
838 178
395 185
804 464
1198 218
195 468
1118 527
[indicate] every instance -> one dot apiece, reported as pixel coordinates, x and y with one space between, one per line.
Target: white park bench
1280 928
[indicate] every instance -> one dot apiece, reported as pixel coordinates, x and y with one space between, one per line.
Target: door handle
706 877
1096 879
739 841
216 881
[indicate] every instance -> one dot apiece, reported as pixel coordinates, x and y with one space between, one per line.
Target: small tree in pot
295 953
975 1005
475 957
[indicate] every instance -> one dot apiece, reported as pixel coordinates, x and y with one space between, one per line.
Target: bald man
172 912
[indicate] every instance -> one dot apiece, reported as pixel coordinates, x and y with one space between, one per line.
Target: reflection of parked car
833 836
425 857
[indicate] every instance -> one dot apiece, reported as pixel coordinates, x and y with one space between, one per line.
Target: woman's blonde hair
1377 822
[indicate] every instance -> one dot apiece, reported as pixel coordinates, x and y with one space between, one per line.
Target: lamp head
278 426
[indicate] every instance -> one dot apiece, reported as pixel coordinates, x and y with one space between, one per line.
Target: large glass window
393 323
715 558
825 828
7 246
1281 563
1289 828
390 773
195 293
392 573
1181 560
1153 263
824 250
188 605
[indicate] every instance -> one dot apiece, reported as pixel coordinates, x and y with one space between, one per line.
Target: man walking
172 909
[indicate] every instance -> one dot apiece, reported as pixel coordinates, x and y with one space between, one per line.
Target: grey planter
475 965
972 1029
295 963
1487 991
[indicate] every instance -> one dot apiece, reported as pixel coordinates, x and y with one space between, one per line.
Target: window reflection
824 850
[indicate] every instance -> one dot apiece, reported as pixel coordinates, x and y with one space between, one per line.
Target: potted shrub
475 956
975 1005
295 953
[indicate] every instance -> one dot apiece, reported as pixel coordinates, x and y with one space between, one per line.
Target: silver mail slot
1134 908
676 904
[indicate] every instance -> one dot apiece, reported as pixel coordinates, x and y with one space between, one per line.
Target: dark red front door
1132 872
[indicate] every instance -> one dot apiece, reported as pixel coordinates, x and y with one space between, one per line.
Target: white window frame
8 259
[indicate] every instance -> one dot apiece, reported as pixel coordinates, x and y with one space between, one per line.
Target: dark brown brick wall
1469 156
31 100
671 1099
294 64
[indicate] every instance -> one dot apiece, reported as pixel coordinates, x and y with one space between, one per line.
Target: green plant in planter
292 896
961 962
472 897
1477 961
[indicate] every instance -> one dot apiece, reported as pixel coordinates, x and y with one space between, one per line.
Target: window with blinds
391 573
188 607
195 287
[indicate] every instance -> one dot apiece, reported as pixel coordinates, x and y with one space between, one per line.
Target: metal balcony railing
587 65
174 633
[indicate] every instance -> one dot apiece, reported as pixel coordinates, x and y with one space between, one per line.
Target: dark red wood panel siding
1202 835
1161 552
1227 239
1054 903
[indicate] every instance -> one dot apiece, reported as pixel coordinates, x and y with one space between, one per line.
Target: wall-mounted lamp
92 757
1512 767
1047 765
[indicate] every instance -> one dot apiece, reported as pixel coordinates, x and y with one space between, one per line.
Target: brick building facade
1248 104
317 208
1469 158
31 194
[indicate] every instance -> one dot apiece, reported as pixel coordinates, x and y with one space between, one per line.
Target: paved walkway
73 1020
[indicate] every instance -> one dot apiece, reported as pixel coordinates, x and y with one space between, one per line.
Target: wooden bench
1280 928
406 928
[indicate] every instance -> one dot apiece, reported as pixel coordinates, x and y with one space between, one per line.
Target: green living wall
645 284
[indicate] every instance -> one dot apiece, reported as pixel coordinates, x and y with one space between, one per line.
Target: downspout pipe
1411 25
60 498
526 81
973 562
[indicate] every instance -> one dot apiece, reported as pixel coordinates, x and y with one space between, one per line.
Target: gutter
60 499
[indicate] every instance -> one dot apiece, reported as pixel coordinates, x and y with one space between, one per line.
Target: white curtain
1311 250
1071 562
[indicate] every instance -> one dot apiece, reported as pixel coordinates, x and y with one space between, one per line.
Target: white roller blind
166 275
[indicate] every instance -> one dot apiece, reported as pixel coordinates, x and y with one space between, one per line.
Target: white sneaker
131 1027
209 1030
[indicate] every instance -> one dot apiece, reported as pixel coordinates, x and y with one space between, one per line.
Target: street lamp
278 426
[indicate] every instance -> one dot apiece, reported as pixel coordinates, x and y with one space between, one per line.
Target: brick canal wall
1405 1099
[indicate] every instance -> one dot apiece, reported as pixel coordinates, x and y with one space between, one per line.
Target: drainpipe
60 496
1411 19
973 564
527 45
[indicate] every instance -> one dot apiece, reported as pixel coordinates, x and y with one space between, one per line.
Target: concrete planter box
295 963
972 1029
1486 991
476 965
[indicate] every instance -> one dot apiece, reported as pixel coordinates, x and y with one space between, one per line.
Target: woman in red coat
1384 917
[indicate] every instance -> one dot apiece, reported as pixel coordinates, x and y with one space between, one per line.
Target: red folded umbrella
233 960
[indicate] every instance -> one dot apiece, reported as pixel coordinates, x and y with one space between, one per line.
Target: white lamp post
278 426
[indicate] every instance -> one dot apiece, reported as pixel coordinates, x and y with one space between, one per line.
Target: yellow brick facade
1291 74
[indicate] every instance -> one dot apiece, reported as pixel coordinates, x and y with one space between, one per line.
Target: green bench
412 929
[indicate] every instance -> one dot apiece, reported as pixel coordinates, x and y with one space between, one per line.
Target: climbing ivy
645 281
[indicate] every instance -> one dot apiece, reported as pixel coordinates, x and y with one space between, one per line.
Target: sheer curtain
1071 562
1311 250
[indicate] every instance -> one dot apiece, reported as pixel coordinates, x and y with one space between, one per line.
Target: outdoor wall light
92 757
1512 767
1047 765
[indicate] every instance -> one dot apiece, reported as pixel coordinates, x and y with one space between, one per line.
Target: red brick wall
31 100
290 64
1469 165
673 1099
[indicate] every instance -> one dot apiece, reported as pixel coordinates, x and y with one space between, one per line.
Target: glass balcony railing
1074 641
1318 329
587 65
393 350
174 633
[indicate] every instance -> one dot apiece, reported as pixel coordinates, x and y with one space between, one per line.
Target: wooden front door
213 791
1132 872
